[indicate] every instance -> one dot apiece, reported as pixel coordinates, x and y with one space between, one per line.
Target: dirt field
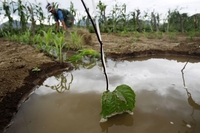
17 61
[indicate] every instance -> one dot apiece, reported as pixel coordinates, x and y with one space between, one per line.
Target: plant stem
101 44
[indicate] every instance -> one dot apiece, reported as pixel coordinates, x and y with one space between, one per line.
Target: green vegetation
36 69
59 41
44 38
172 35
118 20
76 40
47 40
84 52
121 100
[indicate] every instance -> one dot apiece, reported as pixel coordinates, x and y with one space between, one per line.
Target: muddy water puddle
70 102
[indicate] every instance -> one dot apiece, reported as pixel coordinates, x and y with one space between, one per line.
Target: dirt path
116 46
17 62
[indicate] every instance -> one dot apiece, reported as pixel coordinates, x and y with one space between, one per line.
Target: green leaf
121 100
36 69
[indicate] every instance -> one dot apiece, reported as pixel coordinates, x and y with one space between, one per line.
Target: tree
7 10
33 23
196 18
132 21
87 22
102 8
183 17
177 21
72 10
21 12
173 20
138 21
155 20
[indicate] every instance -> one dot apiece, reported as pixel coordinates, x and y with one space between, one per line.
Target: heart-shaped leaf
121 100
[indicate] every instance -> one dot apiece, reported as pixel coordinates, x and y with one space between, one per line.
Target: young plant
59 41
124 33
25 38
47 40
133 40
158 35
136 34
76 40
122 99
149 35
38 41
191 35
84 52
36 69
172 35
15 38
7 35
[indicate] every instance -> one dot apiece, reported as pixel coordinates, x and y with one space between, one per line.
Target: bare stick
189 58
101 44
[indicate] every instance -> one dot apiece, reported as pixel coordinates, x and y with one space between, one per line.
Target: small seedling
36 69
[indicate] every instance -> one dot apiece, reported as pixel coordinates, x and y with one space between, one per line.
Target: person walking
62 15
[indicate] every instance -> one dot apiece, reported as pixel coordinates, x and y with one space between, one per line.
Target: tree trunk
154 22
137 21
181 23
87 20
196 26
32 20
105 21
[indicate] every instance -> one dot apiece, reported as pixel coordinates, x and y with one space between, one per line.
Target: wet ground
166 99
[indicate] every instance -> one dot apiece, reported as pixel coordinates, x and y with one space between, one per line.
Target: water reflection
86 62
180 59
191 124
162 105
119 120
62 82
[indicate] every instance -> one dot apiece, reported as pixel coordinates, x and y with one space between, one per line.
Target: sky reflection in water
163 104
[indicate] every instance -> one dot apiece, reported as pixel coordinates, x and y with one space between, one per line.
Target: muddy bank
17 79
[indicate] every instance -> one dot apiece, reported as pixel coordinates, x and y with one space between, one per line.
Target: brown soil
17 79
